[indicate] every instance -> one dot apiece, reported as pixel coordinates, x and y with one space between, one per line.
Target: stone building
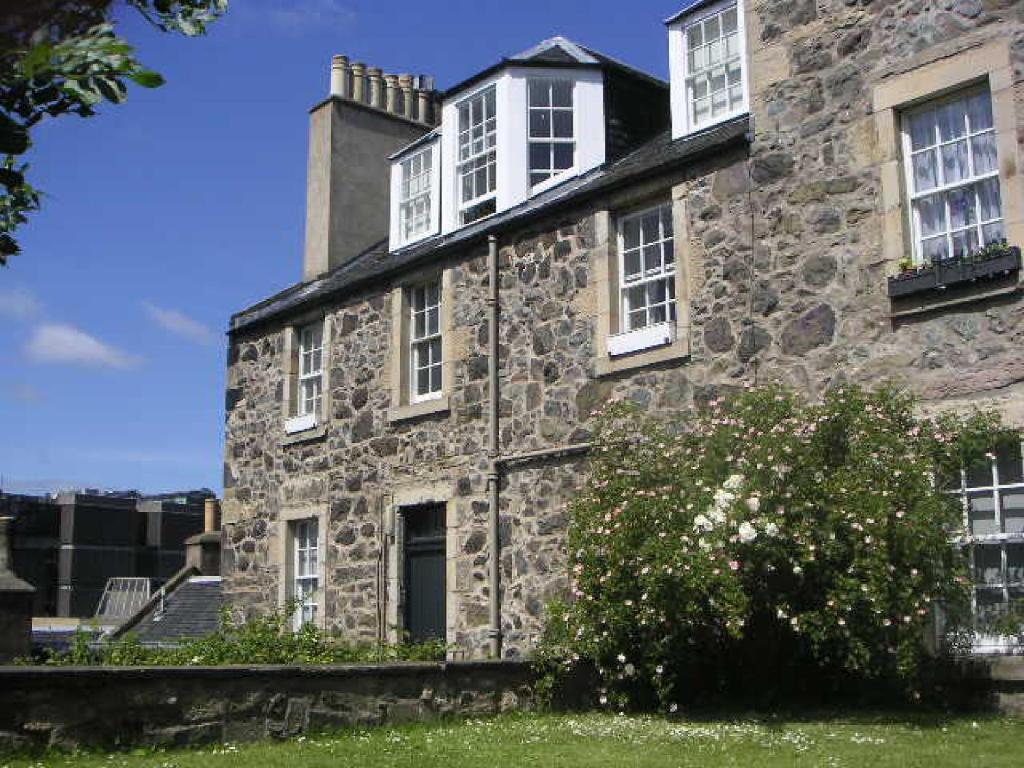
405 426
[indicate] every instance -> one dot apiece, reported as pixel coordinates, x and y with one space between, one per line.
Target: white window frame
986 642
313 352
942 189
420 344
490 146
305 581
665 273
556 177
408 203
680 29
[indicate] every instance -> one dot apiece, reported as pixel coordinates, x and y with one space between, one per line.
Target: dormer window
477 168
551 129
709 68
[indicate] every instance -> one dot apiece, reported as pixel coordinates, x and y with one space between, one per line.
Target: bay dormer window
709 67
477 156
552 143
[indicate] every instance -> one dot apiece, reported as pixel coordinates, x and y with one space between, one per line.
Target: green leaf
14 139
147 78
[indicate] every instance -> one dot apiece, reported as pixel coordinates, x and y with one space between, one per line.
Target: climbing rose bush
765 542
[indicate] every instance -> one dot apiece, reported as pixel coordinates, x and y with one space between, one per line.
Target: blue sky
167 214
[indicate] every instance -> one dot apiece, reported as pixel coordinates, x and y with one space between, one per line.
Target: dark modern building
69 544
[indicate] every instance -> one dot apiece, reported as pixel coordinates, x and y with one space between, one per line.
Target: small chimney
202 551
369 116
15 603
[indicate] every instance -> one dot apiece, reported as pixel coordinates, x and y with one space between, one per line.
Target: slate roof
191 610
557 52
657 156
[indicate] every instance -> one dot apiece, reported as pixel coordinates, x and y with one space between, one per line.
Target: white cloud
65 344
300 15
179 323
19 303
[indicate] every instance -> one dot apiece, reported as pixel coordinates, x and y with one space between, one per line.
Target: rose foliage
764 544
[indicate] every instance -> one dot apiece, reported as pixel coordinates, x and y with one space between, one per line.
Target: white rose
747 532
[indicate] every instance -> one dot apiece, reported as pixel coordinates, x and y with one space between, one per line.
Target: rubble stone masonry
785 244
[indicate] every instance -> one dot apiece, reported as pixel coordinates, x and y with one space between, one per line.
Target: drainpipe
494 633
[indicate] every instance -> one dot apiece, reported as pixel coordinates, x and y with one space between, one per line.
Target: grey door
425 572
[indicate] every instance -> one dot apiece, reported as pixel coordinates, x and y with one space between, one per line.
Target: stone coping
20 673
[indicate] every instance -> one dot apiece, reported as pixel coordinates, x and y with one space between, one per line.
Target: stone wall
70 707
783 248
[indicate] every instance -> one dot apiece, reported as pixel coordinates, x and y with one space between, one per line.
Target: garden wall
69 707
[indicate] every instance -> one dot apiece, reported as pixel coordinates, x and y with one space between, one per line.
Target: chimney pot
373 76
211 515
405 83
359 82
423 106
391 93
339 77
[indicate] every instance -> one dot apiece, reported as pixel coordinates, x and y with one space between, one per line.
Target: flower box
941 274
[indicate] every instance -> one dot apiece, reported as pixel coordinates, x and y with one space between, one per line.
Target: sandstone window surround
306 378
300 547
405 497
422 331
943 81
992 496
643 315
708 66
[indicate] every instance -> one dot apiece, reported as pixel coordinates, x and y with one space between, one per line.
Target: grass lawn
595 740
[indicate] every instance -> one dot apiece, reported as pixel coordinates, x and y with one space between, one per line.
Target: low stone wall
71 707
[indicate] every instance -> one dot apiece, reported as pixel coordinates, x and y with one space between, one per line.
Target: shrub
764 544
266 639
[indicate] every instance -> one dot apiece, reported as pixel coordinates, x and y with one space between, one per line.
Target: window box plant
994 260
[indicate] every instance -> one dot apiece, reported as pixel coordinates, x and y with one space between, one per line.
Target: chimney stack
202 551
369 116
15 603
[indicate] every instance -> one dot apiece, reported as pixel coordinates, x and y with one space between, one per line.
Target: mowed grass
595 740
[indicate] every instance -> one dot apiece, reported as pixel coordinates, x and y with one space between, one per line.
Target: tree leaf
14 139
147 78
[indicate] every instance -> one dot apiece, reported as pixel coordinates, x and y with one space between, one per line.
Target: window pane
631 233
652 257
711 28
982 513
539 93
1008 462
984 149
432 321
658 314
925 174
563 156
435 351
988 197
561 93
729 19
961 208
631 264
1013 511
954 162
694 37
993 233
964 243
990 607
636 298
936 249
980 112
435 378
952 123
979 474
988 564
922 130
423 381
932 215
1015 563
656 292
563 124
540 124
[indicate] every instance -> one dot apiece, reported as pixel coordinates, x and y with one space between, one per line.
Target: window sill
305 436
642 339
677 350
418 410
